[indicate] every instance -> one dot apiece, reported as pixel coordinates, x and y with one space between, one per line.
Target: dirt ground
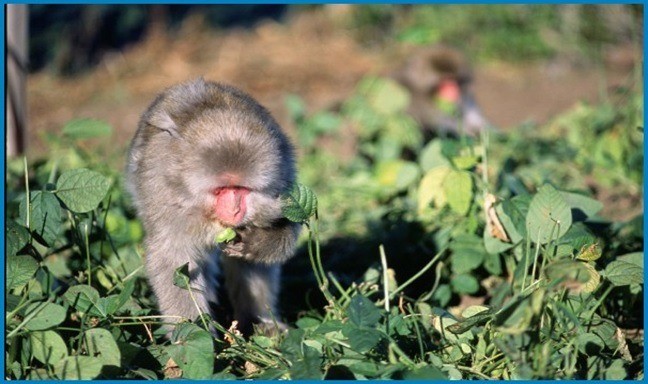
310 55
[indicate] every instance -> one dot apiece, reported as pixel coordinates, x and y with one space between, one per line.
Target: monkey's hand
273 244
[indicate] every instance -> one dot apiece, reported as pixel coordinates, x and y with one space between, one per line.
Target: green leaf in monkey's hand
299 204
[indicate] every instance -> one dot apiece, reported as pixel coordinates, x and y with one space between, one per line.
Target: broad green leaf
361 339
45 215
468 253
78 368
512 220
465 162
82 189
17 237
581 203
225 236
590 344
192 349
429 372
635 258
308 366
362 312
465 283
299 204
83 298
616 371
47 347
458 190
100 343
567 270
87 129
397 174
431 188
549 215
20 269
45 316
388 97
431 156
181 276
621 273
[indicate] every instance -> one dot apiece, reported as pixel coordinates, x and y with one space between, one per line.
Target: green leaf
588 206
299 204
83 298
465 283
621 273
17 237
468 253
78 368
44 217
361 339
45 316
181 276
512 219
225 236
396 174
86 129
429 372
431 188
458 190
590 344
307 366
192 349
549 215
362 312
47 347
431 156
635 258
100 343
20 269
387 97
82 189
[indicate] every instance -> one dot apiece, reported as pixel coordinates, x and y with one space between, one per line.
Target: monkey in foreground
207 157
439 79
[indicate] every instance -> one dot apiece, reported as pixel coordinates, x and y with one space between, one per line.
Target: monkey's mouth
230 205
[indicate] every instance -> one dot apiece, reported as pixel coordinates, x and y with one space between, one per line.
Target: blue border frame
3 107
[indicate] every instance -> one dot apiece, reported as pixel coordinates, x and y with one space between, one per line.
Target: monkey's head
224 153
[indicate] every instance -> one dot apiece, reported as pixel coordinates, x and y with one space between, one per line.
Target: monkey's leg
172 300
252 289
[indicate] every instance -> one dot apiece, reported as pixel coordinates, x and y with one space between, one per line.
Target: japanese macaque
207 157
438 79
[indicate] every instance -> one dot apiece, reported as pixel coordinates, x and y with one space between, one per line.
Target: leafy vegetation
457 258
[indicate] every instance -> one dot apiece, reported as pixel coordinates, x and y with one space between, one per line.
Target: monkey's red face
449 91
230 205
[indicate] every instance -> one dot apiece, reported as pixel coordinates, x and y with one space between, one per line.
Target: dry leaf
171 370
233 329
493 224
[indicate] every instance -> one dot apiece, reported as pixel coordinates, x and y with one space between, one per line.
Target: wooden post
16 101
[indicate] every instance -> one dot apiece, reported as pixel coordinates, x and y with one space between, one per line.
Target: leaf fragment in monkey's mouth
225 236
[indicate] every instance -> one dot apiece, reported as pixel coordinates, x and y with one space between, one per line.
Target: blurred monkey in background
439 80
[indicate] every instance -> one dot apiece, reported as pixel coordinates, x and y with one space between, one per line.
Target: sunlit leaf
549 216
82 189
48 347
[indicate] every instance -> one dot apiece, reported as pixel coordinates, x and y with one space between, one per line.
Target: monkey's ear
163 121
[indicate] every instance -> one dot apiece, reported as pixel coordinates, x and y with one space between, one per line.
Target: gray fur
193 138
